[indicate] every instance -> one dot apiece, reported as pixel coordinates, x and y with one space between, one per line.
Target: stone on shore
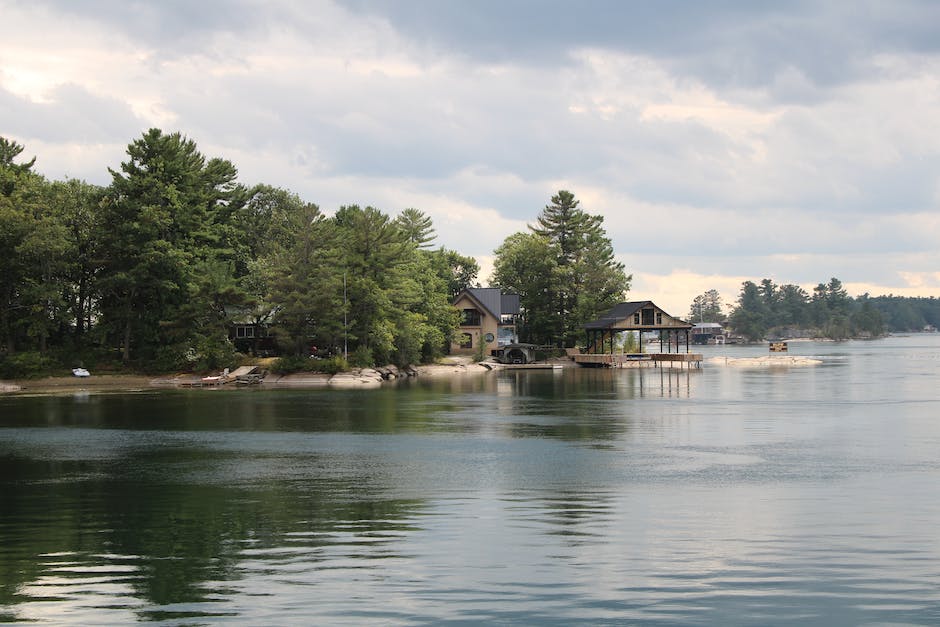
365 378
302 379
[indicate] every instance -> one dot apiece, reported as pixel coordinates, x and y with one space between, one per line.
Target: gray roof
619 312
494 301
510 304
623 311
707 325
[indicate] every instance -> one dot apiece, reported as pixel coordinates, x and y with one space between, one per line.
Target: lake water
805 495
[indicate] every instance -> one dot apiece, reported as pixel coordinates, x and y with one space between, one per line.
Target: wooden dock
639 360
531 366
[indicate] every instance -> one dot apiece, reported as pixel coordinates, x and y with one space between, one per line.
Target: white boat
80 372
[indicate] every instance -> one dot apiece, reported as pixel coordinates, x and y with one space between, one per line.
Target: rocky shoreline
358 378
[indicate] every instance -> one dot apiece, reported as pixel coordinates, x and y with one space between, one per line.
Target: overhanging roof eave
656 327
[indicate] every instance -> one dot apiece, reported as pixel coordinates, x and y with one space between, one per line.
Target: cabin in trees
487 316
642 316
252 339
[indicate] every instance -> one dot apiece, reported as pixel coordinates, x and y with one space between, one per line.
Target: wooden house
639 316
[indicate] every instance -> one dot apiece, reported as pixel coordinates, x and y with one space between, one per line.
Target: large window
470 318
648 316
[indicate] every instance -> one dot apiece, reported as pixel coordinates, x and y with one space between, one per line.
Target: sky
721 142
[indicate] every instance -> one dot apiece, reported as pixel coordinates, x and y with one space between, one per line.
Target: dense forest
767 310
156 270
151 271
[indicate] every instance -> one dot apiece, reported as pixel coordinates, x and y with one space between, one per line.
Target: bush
290 364
26 365
362 357
295 363
331 365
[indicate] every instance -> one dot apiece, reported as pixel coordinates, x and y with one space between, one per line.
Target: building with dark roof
487 316
640 316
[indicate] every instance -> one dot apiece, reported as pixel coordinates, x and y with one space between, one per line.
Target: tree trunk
126 353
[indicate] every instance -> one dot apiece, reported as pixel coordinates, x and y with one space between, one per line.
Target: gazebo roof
620 318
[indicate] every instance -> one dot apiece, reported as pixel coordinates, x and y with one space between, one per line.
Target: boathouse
641 316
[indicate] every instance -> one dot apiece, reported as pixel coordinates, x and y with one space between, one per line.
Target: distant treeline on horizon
766 309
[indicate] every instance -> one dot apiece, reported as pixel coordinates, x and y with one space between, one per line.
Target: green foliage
290 364
417 227
169 212
630 343
458 271
26 365
479 354
361 357
330 365
900 313
707 307
527 264
830 312
564 272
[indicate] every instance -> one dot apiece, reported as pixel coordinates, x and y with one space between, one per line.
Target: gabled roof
707 325
492 300
623 312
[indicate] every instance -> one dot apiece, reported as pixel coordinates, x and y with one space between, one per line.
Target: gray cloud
726 43
800 133
70 114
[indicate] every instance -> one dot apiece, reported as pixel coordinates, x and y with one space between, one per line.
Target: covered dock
640 316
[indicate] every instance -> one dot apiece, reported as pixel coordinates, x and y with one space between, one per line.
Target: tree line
766 309
152 271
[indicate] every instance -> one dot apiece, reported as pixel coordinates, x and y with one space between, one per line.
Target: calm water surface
722 496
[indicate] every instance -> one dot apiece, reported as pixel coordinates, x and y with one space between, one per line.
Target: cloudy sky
721 141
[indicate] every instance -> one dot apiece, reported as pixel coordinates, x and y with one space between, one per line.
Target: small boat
80 372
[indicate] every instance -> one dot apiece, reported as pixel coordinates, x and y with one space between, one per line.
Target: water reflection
168 549
612 496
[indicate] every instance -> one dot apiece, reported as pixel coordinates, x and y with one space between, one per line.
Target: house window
659 317
466 340
506 335
636 318
244 332
471 318
647 317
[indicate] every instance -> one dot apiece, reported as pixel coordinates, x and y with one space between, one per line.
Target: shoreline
358 378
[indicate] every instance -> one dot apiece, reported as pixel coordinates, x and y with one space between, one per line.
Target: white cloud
713 157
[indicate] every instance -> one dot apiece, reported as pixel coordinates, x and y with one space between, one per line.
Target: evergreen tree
707 307
307 284
168 209
417 227
585 279
31 244
749 318
792 306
